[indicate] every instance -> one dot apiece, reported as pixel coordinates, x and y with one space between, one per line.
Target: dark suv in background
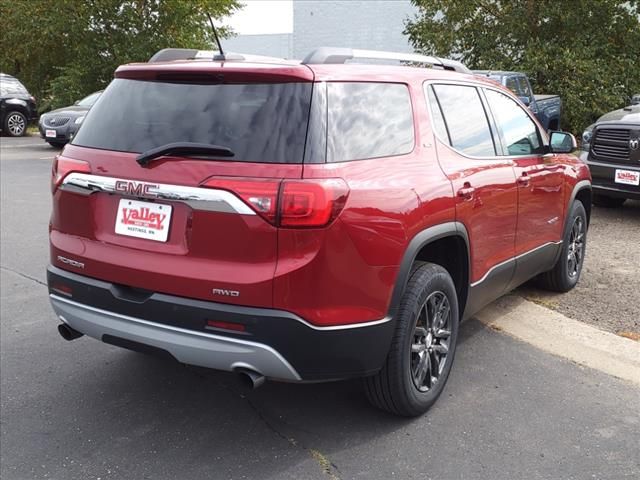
17 106
611 148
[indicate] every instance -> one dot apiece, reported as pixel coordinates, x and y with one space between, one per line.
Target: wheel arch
445 244
582 191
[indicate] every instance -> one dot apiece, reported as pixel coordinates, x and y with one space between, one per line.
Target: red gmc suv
308 221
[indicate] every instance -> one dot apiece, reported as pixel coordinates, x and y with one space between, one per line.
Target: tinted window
368 120
518 130
436 114
525 91
89 100
258 122
466 120
513 85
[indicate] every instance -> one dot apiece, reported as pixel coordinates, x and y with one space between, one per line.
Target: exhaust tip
250 379
68 333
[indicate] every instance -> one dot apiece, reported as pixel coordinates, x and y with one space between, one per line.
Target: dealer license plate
628 177
50 133
143 220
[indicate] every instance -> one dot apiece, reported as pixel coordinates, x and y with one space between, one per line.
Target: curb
554 333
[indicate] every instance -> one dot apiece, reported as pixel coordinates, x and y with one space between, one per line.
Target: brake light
63 166
311 203
289 203
259 194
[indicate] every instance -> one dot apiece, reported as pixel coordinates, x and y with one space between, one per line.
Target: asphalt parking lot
85 410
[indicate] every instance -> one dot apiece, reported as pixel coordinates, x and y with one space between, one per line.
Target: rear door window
259 122
466 120
368 120
519 133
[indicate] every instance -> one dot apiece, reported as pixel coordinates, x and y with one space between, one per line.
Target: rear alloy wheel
15 124
566 272
423 345
608 202
431 337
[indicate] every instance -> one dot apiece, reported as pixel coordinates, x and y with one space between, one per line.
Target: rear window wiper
183 148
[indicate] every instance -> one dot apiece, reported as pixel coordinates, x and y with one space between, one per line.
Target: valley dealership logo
634 143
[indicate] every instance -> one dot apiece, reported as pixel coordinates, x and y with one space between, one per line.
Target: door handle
466 192
523 180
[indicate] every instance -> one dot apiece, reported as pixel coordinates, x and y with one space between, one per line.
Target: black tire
566 272
397 388
15 124
608 202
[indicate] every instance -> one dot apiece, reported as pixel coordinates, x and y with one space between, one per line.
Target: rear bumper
275 343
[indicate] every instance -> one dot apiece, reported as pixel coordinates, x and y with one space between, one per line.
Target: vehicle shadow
147 405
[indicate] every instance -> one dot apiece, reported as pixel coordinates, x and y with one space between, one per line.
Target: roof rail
341 55
171 54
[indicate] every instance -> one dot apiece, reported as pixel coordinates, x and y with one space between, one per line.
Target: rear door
540 180
195 227
483 184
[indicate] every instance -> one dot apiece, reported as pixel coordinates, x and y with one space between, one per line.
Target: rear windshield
11 86
264 123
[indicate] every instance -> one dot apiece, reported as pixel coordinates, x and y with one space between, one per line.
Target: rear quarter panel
351 267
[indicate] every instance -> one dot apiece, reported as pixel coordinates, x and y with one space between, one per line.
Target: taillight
311 203
289 203
63 166
261 195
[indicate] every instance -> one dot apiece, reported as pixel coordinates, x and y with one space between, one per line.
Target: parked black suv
17 106
611 148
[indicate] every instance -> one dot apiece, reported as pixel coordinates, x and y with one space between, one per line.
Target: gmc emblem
136 189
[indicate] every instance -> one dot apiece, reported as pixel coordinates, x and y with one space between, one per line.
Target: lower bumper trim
186 346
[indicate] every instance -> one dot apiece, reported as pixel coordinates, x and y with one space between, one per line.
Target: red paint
357 217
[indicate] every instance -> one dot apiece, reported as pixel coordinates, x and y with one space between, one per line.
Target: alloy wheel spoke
441 348
422 369
418 347
420 332
444 315
435 367
442 333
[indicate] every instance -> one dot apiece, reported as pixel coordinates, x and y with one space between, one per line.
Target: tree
587 51
65 49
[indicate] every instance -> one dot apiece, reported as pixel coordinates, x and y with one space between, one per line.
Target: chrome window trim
199 198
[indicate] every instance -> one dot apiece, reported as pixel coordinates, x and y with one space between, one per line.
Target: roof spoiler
171 54
328 55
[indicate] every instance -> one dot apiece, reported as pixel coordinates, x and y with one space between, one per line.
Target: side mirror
562 142
525 100
76 102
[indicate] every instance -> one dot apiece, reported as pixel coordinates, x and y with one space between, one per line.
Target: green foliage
587 51
65 49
